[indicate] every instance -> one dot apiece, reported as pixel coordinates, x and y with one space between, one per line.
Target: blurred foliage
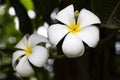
27 4
107 10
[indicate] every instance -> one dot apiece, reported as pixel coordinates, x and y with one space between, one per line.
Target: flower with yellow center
29 52
74 30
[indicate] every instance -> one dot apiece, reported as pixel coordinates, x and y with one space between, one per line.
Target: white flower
74 31
30 52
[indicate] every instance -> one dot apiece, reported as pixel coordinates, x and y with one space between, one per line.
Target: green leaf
107 10
43 9
111 26
28 4
25 22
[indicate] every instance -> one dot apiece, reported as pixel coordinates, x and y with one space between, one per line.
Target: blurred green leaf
107 10
111 26
25 22
44 9
28 4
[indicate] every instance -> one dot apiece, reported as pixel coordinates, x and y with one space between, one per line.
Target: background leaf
25 22
28 4
107 10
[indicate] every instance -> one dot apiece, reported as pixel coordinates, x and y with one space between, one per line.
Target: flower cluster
76 29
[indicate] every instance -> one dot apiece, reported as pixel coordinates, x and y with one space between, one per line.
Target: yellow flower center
74 28
28 49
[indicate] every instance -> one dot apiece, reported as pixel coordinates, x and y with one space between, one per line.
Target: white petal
16 55
56 33
90 35
46 25
87 18
39 56
22 43
72 46
66 15
36 38
42 31
24 68
48 45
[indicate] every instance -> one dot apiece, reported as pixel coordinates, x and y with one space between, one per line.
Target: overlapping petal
56 33
39 56
72 46
22 43
42 31
66 15
87 18
90 35
36 38
16 55
24 68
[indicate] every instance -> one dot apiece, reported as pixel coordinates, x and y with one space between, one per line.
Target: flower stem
57 56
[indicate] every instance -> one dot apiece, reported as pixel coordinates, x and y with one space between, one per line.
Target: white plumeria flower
74 31
29 52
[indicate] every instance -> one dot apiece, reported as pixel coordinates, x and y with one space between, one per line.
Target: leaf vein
113 11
